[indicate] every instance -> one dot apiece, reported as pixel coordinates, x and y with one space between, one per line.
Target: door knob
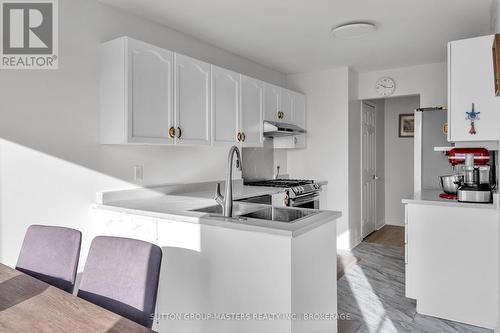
375 177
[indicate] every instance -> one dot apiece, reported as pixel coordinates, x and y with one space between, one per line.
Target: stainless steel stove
299 192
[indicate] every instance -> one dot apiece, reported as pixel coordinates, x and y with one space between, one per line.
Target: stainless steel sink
280 214
238 209
257 212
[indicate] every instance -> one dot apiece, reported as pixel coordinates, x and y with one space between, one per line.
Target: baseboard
396 223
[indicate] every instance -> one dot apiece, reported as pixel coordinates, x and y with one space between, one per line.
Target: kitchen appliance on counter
298 192
473 179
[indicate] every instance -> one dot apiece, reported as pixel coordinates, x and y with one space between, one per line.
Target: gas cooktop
282 183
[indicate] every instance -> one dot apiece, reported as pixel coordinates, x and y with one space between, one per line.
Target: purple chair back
122 275
51 254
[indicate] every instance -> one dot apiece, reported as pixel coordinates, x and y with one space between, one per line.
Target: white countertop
431 197
180 205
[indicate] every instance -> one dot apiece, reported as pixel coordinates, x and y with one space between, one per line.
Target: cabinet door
192 101
252 101
299 110
471 80
150 93
286 107
272 102
225 106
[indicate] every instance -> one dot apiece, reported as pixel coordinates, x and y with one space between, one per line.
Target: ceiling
294 35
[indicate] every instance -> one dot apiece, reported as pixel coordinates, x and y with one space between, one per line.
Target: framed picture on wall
406 125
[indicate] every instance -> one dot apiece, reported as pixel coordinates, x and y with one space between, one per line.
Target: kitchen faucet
227 201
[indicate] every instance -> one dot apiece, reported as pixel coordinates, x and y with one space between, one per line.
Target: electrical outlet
138 172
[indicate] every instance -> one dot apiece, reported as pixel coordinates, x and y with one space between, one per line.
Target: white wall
429 81
326 156
434 164
354 167
398 159
52 163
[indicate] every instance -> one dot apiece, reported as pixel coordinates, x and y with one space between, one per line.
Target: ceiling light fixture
353 30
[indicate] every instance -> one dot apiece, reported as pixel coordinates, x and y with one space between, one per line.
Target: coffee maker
478 181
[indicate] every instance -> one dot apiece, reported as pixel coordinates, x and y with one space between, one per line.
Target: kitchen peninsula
252 264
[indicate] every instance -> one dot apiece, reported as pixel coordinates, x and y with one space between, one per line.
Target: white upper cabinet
286 108
150 100
299 110
225 106
149 95
252 104
471 81
272 102
283 105
192 101
136 93
299 113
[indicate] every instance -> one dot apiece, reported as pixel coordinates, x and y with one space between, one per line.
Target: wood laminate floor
372 291
388 235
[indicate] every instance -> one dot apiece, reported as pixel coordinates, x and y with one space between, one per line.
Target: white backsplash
261 163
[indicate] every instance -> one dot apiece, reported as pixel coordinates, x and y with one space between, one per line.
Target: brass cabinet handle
243 137
179 132
282 115
279 114
286 200
171 132
238 136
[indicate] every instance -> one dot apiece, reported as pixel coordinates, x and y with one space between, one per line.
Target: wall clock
385 86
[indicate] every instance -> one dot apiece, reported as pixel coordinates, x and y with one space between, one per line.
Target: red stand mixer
472 179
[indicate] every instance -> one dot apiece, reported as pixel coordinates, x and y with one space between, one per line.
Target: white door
287 112
272 101
151 91
252 103
368 169
192 100
225 106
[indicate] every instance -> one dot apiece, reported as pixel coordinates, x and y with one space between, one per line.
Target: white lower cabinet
452 262
126 225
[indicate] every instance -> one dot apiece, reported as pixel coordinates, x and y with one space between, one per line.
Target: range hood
274 129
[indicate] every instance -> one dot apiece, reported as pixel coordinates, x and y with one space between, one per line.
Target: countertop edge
195 218
431 197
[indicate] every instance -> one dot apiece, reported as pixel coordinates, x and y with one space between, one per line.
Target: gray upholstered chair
121 275
51 254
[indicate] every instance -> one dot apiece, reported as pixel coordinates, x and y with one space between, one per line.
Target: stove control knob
301 189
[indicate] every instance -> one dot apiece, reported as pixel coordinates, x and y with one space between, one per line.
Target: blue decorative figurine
472 116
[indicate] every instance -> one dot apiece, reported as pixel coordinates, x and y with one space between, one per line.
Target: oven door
310 201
